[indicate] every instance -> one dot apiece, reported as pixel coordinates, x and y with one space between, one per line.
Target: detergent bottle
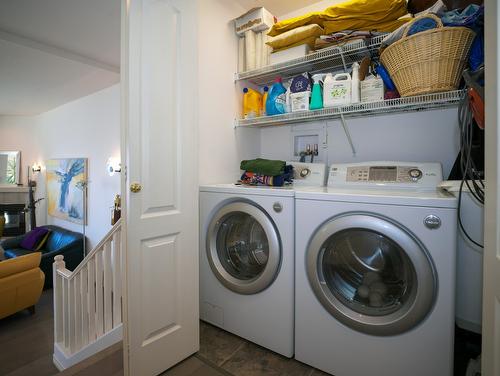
276 98
337 90
252 103
317 93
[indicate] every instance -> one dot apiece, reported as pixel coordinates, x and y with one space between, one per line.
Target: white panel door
159 63
491 260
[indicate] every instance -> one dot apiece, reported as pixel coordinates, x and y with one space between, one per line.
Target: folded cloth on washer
262 166
251 178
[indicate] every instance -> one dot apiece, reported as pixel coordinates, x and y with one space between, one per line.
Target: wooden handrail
70 275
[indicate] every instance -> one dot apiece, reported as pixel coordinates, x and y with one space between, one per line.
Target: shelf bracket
343 60
348 135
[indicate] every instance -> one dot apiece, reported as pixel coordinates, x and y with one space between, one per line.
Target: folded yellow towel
383 26
296 37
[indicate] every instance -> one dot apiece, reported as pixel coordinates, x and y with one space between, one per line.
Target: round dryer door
243 248
371 274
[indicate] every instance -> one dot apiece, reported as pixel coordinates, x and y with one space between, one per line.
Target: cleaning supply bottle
317 93
276 99
252 103
337 90
355 88
264 100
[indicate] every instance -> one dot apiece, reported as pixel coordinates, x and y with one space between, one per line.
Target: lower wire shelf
403 104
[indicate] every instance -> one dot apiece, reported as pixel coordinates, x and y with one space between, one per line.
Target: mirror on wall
10 167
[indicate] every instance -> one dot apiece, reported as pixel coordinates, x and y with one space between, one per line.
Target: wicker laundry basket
430 61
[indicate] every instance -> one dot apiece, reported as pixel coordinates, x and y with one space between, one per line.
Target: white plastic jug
337 90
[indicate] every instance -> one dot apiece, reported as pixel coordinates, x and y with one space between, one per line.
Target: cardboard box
256 19
289 54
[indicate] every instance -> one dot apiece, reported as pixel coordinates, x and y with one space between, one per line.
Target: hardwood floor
27 341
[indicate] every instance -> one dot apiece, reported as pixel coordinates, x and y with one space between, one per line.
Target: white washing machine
247 260
375 272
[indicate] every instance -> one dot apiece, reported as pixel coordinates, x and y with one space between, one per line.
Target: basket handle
428 15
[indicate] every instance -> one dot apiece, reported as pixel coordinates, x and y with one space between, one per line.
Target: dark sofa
60 242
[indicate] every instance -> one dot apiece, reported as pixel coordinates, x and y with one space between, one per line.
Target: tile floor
232 355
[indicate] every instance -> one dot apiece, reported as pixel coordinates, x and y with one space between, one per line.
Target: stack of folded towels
266 172
351 15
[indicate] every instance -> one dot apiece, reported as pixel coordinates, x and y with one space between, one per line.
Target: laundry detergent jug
276 99
337 90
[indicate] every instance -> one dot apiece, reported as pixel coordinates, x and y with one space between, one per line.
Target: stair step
109 360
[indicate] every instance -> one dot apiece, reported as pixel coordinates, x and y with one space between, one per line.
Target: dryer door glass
367 271
371 274
243 247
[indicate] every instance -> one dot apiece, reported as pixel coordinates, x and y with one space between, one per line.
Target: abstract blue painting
66 189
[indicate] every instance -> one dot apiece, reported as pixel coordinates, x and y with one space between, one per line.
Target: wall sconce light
36 168
113 166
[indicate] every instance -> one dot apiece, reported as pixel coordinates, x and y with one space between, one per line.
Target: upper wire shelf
331 58
404 104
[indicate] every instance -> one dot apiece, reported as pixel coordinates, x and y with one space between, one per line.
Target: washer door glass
367 271
243 247
371 274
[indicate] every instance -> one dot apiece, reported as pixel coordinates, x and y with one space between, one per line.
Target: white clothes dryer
375 272
247 260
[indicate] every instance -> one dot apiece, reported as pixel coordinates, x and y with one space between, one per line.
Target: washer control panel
394 174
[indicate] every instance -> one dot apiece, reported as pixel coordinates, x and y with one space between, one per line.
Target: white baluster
108 314
87 302
91 297
85 305
71 315
99 294
117 280
58 298
66 312
78 311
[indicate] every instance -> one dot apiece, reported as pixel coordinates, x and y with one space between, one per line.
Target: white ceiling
55 51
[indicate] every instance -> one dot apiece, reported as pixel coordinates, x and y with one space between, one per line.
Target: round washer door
371 274
243 248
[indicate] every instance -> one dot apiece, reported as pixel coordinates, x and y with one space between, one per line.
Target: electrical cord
471 177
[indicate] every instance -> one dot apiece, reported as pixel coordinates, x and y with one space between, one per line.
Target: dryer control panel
390 174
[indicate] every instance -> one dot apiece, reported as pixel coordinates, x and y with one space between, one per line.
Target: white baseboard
62 360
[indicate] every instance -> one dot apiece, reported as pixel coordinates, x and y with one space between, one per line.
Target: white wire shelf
331 58
404 104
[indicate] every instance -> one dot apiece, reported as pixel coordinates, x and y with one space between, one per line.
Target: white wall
87 128
422 136
429 136
221 146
